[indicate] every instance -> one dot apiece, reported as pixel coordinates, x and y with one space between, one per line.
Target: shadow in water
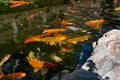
91 65
81 74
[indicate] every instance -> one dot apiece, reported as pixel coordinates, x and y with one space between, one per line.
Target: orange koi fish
50 36
32 39
18 3
13 76
73 2
95 24
64 23
53 30
18 74
115 1
35 63
49 39
73 11
39 65
32 16
36 38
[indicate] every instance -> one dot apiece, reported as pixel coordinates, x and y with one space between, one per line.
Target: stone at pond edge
104 64
106 56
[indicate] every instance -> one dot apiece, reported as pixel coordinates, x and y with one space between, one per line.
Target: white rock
106 56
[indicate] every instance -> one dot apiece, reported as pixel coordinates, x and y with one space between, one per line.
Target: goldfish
53 30
4 59
95 23
47 33
36 38
51 40
83 31
64 23
18 3
73 11
56 58
49 37
65 50
73 2
39 65
13 76
35 63
32 16
78 39
117 9
55 38
115 1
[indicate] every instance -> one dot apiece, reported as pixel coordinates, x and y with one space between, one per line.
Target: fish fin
38 49
98 26
70 23
36 70
28 58
4 59
44 71
37 56
84 31
31 55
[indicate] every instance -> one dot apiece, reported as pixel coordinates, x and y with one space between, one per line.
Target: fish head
32 39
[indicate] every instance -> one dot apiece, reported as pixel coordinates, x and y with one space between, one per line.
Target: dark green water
20 50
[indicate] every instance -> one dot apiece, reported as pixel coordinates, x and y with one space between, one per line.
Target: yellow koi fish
64 23
5 59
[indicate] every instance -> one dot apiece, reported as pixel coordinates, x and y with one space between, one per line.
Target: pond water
62 47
